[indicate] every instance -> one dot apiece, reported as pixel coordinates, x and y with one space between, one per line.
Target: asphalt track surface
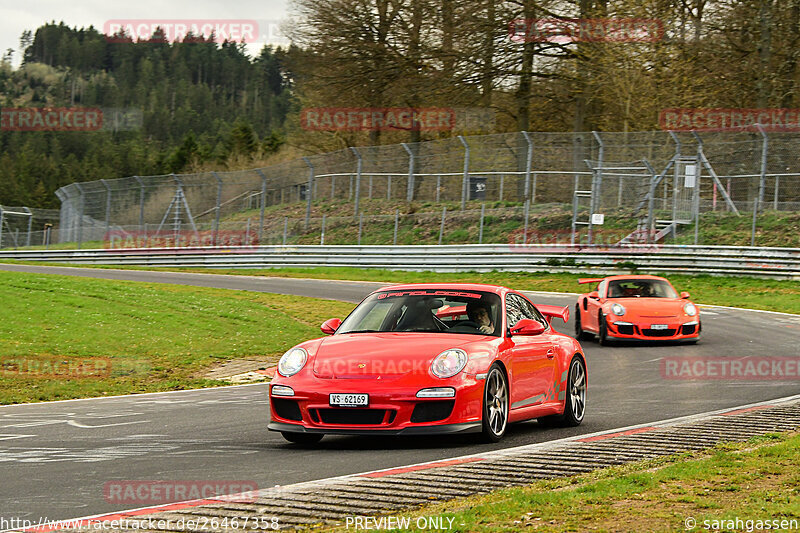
57 457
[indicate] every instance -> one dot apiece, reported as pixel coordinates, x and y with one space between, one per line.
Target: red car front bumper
622 330
393 409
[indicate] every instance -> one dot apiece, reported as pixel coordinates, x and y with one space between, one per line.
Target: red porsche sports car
636 307
431 359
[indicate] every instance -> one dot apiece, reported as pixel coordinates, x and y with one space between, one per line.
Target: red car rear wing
551 311
590 280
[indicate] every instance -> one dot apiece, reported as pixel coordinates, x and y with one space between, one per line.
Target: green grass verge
744 292
750 481
64 337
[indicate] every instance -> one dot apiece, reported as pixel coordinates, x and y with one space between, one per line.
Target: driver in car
630 292
479 313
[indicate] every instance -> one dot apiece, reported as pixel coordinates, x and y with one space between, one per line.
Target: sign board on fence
690 176
598 219
477 188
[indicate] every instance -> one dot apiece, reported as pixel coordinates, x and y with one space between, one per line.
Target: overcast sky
17 16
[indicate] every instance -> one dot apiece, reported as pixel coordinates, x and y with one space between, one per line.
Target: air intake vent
287 409
432 411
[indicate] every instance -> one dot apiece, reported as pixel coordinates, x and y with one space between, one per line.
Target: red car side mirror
527 326
684 295
594 295
330 326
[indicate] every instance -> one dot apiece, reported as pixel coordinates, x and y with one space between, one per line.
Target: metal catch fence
668 185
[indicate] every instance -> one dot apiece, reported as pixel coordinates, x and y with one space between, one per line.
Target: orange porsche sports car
636 307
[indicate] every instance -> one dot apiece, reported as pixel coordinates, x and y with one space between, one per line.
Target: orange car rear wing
551 311
590 280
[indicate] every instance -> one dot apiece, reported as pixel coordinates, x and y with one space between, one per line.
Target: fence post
309 189
141 200
675 180
651 188
108 205
528 164
480 233
358 179
80 214
360 225
322 233
219 202
263 204
30 226
775 195
502 178
396 223
525 211
763 177
285 229
762 184
1 226
597 185
465 182
696 195
441 227
411 161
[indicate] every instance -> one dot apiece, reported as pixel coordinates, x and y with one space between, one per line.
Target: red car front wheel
495 405
579 333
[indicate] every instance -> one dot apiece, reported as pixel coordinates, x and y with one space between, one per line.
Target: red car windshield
426 310
641 288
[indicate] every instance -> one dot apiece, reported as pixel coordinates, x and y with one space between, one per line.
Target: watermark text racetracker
151 492
122 240
454 119
195 30
55 367
724 119
179 30
731 368
377 119
86 119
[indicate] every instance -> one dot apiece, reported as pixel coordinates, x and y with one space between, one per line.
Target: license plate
349 400
658 326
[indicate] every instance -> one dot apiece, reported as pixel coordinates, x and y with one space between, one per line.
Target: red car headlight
449 363
292 362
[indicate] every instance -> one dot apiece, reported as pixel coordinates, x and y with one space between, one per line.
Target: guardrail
781 263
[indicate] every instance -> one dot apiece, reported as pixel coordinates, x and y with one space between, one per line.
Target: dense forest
211 105
200 101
